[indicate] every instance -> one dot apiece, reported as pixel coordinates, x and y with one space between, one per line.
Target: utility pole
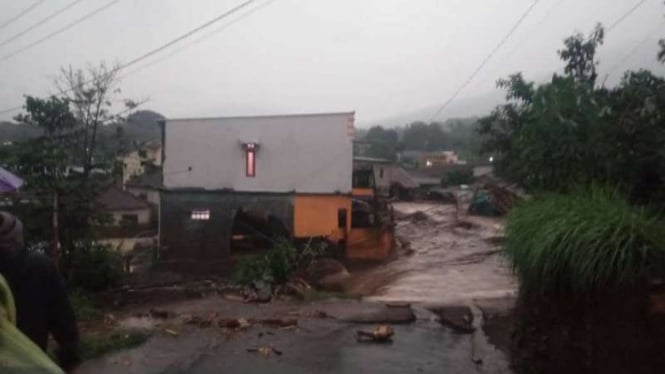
56 238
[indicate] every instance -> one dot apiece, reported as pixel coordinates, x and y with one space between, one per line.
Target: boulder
328 274
458 318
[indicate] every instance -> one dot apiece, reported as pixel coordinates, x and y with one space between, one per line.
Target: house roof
114 198
263 116
371 160
403 179
149 179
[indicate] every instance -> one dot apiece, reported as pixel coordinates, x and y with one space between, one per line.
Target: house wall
185 240
302 153
317 215
143 215
369 244
131 166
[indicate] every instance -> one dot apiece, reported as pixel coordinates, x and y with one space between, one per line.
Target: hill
139 127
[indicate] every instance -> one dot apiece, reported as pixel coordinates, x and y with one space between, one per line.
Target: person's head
11 234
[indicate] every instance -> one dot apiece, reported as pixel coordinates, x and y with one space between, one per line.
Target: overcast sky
381 58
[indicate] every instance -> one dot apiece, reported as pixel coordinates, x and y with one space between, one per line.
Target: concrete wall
125 245
303 153
183 239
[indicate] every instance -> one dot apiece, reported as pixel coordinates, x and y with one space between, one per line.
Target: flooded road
449 261
453 259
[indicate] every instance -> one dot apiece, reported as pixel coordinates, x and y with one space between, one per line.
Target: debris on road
265 351
199 321
161 314
234 323
275 322
171 332
381 334
457 318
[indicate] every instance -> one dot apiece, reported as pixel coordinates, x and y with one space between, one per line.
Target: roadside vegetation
583 243
588 248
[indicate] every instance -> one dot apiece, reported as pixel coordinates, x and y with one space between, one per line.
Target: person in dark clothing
42 306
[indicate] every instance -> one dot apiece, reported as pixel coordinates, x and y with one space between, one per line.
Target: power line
626 15
485 61
39 23
166 45
174 41
188 34
202 38
632 51
531 32
21 14
59 31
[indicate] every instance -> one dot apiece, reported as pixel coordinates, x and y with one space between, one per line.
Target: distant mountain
12 132
140 126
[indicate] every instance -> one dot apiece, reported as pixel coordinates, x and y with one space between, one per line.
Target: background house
130 219
134 162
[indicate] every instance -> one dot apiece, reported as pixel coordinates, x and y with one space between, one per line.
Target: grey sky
383 58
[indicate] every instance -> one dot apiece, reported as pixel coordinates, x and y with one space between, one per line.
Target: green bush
83 307
457 177
95 267
583 242
275 266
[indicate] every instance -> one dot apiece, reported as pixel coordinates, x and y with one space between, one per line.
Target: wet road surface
450 264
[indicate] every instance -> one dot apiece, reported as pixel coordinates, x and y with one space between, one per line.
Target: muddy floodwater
450 258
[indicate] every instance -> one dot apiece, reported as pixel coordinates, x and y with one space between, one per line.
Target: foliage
579 56
96 345
68 163
457 177
424 137
583 242
275 266
95 267
83 307
566 132
91 93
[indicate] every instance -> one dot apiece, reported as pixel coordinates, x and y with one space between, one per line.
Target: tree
384 142
564 133
424 137
579 56
91 93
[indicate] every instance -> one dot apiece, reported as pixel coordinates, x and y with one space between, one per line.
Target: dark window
341 218
129 220
381 173
363 179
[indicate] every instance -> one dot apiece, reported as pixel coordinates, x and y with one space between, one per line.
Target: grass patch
83 307
98 345
583 242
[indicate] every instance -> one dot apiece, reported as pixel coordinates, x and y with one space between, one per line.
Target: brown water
450 262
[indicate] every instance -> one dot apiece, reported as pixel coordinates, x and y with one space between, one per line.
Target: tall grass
583 242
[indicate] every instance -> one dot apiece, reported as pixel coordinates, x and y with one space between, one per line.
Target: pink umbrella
9 182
